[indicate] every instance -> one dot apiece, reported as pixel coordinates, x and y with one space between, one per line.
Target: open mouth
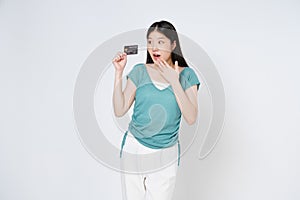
155 55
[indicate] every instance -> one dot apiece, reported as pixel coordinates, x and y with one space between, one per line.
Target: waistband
124 140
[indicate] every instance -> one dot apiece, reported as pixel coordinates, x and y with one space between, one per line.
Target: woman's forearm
188 110
118 96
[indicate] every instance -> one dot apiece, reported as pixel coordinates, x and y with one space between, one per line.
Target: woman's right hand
119 61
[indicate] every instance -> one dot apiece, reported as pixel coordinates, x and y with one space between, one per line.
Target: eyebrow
157 38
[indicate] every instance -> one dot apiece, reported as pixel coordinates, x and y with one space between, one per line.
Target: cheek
166 52
166 48
165 56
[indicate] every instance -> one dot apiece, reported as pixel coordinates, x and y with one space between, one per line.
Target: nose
154 46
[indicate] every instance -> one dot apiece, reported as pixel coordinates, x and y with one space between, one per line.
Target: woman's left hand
168 73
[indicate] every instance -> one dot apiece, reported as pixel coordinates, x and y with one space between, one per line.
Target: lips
156 55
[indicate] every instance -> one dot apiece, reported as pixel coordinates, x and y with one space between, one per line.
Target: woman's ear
173 45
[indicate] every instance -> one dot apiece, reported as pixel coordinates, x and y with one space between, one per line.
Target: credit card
131 49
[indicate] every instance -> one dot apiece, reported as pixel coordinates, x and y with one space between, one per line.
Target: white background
254 45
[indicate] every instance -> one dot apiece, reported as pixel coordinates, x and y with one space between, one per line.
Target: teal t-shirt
156 115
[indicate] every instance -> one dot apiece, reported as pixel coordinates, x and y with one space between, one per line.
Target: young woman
163 89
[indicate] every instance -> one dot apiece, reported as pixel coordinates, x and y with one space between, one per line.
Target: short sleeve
188 78
135 74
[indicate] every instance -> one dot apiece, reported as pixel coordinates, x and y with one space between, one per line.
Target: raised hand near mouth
168 73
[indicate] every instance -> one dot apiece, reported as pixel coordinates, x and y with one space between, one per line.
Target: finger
118 55
124 54
165 63
162 63
176 64
121 56
115 58
160 66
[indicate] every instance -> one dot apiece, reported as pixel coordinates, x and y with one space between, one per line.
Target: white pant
158 185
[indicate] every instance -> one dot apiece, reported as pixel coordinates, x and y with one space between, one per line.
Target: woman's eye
160 42
149 42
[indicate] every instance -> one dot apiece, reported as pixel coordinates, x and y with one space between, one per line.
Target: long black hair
169 31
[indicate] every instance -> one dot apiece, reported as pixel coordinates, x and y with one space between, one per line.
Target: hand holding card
119 61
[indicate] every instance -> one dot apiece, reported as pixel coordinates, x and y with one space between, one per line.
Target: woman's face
159 46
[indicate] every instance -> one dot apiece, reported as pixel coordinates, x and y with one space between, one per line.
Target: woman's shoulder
187 71
139 65
138 70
